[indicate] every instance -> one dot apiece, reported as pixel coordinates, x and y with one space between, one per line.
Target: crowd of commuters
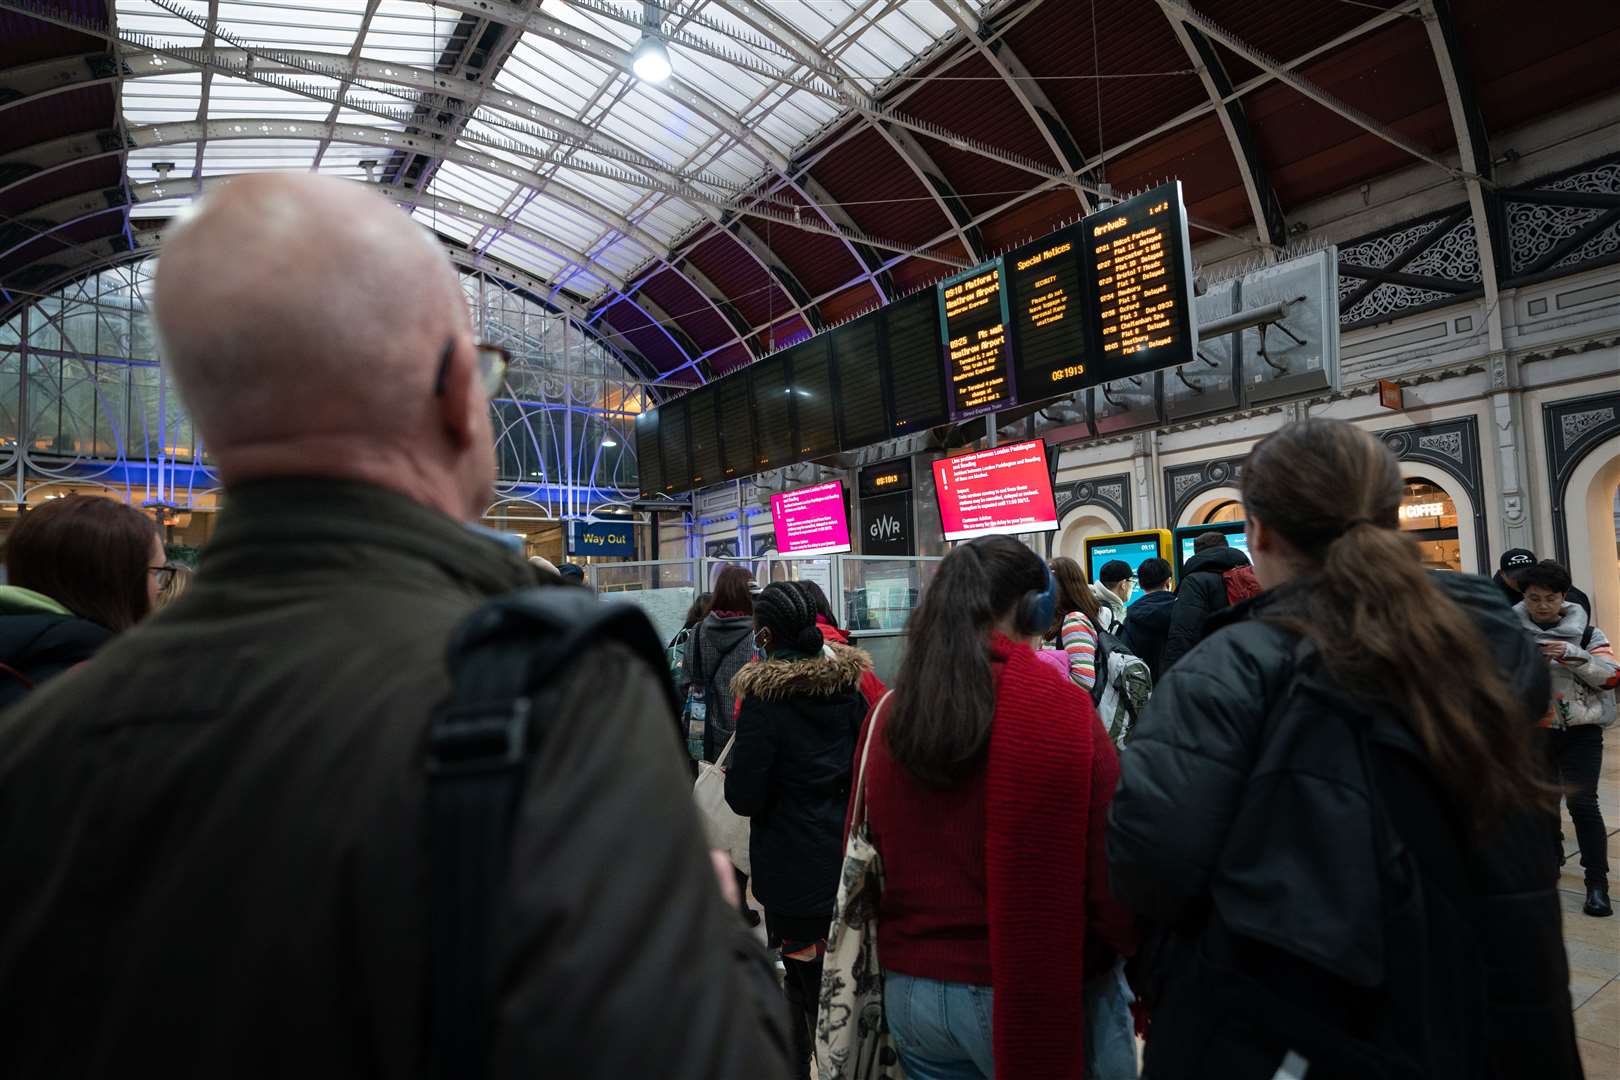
1311 857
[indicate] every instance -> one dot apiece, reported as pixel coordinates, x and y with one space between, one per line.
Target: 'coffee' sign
616 538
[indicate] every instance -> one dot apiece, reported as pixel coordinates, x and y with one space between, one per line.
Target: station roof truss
805 160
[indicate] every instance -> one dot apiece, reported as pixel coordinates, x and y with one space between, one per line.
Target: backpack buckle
484 741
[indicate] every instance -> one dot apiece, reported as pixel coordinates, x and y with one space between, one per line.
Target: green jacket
212 836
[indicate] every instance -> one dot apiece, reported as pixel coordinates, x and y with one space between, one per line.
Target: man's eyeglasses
493 362
163 574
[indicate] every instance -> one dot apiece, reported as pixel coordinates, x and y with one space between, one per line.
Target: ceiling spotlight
651 59
163 169
609 442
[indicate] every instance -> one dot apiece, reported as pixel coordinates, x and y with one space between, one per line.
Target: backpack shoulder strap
1586 636
505 660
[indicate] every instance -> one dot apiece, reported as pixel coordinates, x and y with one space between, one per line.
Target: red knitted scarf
1037 794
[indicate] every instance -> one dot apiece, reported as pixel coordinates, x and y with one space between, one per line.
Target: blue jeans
1110 1031
941 1029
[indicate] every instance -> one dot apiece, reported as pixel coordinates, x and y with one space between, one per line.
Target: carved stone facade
1563 222
1452 446
1411 267
1184 483
1574 429
1112 493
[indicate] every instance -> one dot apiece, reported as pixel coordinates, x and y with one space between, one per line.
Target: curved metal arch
683 92
31 83
109 252
899 137
1473 151
1264 206
1042 114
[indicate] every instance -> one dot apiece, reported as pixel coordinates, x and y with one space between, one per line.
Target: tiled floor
1594 944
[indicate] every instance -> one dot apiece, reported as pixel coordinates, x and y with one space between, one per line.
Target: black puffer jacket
1201 594
1259 839
790 773
39 640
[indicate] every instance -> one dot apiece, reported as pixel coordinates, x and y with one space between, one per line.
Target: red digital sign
1006 489
811 521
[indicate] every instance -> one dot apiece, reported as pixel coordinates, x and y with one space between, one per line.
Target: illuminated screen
858 365
705 437
773 417
672 442
915 372
649 462
1047 296
1235 531
813 400
1133 552
811 521
1006 489
1138 273
736 426
973 318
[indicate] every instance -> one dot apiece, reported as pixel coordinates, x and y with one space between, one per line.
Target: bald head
302 314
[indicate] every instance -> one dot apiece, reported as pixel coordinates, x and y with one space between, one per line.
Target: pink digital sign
811 521
1006 489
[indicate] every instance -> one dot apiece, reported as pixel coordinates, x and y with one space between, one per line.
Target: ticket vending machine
1133 548
1236 533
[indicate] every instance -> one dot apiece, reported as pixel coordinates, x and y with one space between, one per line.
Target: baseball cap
1114 571
1517 559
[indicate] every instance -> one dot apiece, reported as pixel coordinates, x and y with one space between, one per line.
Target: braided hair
788 611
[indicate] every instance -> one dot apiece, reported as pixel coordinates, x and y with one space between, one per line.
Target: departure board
705 429
973 318
1139 276
649 462
858 367
913 365
1046 294
774 441
672 442
817 425
736 426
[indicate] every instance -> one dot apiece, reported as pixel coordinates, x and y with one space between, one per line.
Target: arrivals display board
1006 489
978 360
858 367
1138 267
736 427
1046 295
705 429
774 439
673 445
814 419
812 520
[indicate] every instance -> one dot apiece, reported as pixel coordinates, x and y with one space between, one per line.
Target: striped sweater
1079 639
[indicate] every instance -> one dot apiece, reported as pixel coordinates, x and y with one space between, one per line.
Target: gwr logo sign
886 525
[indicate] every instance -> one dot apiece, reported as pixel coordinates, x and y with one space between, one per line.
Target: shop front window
1430 517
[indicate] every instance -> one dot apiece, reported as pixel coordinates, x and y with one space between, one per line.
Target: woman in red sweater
986 792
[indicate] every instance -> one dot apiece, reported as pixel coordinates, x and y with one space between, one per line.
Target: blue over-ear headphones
1038 609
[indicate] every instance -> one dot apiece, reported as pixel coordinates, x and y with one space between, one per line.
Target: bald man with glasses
213 841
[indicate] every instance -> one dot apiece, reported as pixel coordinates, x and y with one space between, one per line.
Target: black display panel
774 438
1139 281
705 428
1046 295
978 361
815 416
672 441
884 479
858 368
913 367
736 426
649 461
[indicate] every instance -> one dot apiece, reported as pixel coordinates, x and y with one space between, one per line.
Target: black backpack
504 660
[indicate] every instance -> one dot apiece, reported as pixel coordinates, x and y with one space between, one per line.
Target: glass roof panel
162 99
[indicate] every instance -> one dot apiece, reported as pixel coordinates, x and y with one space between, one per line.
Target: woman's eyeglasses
163 574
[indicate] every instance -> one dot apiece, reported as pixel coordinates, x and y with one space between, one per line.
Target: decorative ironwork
1563 222
1452 446
1184 483
85 404
1574 429
1112 493
1409 268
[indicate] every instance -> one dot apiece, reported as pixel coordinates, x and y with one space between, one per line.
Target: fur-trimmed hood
838 668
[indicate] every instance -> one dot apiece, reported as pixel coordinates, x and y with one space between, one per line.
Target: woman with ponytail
1331 807
986 787
789 773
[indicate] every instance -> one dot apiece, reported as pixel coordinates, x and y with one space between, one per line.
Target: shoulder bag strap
859 812
505 661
